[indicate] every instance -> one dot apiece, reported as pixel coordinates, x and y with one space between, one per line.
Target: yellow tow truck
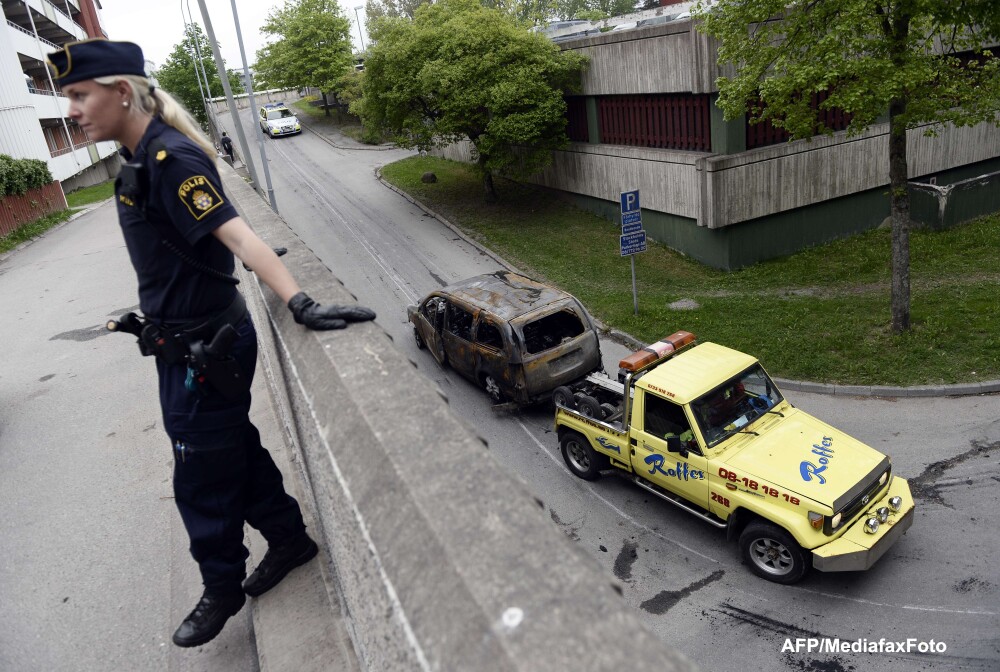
705 428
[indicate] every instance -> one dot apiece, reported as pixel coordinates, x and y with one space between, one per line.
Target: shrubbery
17 176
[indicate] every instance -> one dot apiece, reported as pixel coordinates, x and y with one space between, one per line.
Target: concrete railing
442 559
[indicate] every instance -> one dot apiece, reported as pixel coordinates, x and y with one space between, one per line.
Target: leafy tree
379 9
920 61
593 10
177 76
460 70
313 46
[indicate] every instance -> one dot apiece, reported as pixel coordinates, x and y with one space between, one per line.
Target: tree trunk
491 192
326 105
899 211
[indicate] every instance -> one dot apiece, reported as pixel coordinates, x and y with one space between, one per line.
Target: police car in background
276 119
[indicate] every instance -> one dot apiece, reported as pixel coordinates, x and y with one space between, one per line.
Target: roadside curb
956 390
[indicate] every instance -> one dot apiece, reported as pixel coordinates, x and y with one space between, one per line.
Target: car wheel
419 339
563 396
608 410
492 388
772 553
589 407
581 458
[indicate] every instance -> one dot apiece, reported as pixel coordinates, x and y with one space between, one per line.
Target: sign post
633 238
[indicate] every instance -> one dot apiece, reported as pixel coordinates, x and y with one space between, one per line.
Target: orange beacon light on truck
655 351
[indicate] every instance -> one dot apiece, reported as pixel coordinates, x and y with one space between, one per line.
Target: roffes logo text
682 472
825 452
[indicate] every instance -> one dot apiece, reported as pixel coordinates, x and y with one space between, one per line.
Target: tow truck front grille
860 496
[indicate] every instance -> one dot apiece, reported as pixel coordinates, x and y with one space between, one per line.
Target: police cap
94 58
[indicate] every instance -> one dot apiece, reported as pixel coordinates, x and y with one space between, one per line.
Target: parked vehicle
706 429
515 337
276 119
657 20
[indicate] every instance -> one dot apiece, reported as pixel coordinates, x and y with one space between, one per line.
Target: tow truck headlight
895 504
835 521
871 525
883 514
816 520
881 480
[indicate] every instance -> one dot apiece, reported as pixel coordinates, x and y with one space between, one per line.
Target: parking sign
630 201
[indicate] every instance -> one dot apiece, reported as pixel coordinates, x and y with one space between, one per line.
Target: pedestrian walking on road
181 233
227 146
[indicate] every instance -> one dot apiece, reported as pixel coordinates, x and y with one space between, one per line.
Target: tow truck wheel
420 341
772 553
582 460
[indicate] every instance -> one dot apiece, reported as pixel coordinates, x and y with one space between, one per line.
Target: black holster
214 365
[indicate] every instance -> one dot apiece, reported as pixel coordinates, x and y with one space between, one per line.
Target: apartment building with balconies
34 114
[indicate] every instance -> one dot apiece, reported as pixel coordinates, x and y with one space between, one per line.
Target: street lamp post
361 33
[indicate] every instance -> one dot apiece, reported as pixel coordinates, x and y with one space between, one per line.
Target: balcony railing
31 34
59 9
44 92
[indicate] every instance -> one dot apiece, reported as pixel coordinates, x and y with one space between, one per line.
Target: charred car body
516 338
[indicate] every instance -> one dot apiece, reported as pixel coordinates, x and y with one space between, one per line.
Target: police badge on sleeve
200 197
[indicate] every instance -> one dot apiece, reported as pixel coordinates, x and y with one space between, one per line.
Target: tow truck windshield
735 404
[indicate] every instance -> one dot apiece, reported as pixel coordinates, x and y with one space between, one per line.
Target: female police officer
181 234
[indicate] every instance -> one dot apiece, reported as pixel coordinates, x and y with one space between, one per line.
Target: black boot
208 618
277 562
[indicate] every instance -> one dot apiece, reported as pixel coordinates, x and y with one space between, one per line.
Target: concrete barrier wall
443 560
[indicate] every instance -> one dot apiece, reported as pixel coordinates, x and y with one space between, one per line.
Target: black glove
321 318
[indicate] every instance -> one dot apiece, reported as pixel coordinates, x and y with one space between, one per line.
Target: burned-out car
516 338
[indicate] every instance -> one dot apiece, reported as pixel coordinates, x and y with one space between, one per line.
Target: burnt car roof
504 294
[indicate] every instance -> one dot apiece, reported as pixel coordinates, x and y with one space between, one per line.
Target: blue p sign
630 201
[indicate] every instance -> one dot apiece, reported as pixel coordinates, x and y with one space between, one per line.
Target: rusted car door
429 322
457 338
495 371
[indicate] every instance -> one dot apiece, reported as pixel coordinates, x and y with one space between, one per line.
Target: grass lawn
346 124
820 315
88 195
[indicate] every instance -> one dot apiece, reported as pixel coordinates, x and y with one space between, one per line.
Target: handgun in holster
214 365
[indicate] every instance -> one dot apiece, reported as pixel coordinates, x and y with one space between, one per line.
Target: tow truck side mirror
674 446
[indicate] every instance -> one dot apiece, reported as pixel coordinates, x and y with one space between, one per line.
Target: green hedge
17 176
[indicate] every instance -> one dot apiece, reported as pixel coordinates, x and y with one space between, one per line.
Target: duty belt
206 329
202 344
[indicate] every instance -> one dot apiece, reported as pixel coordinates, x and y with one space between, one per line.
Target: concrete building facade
729 193
34 121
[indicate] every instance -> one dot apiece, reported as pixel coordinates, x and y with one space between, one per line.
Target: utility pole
360 32
253 108
201 89
241 136
201 63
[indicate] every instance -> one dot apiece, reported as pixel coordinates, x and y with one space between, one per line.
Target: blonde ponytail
159 102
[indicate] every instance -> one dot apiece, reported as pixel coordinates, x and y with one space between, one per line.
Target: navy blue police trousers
223 476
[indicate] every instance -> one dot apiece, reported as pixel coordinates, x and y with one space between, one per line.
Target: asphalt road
939 583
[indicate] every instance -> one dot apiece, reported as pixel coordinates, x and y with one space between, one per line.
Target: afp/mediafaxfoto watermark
881 645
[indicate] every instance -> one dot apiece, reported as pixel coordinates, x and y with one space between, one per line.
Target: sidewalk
95 573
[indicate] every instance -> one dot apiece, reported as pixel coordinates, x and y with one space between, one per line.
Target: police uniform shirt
183 192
